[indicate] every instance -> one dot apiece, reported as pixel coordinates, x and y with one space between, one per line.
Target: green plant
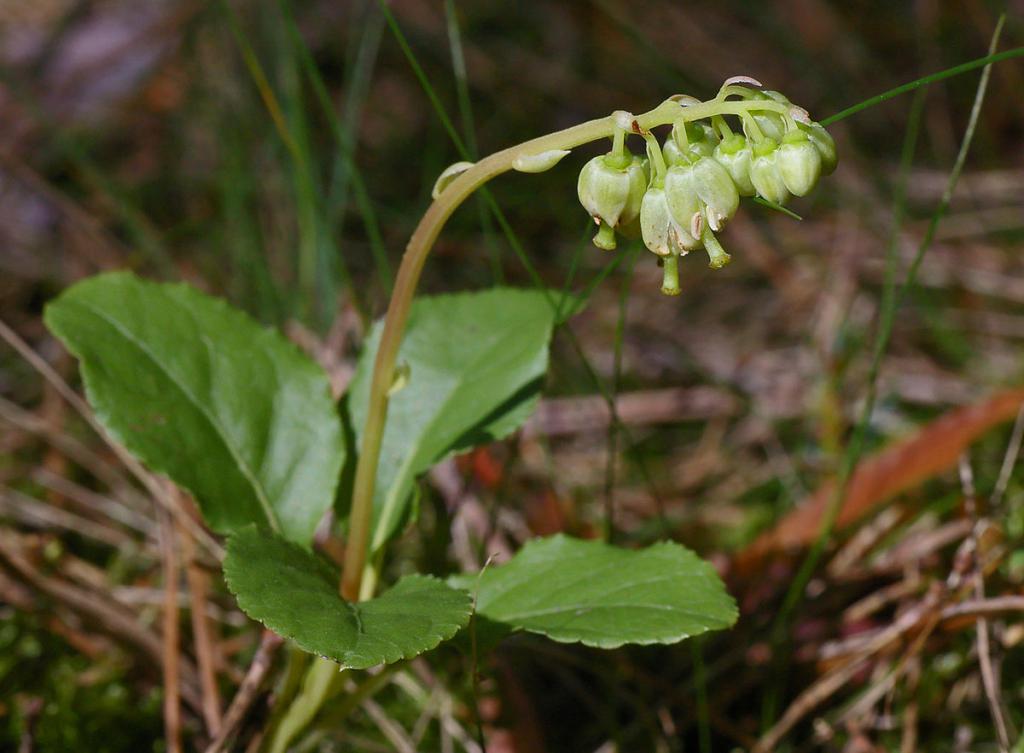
244 421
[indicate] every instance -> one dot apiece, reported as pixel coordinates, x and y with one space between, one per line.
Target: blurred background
279 154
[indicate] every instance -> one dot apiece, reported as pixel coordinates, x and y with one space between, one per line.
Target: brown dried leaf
933 449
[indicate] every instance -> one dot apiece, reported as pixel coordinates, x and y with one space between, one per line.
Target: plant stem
409 274
322 681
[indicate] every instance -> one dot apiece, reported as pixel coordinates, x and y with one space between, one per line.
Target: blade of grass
262 83
368 30
292 128
345 141
577 255
316 292
891 299
469 129
700 685
595 282
513 239
250 279
770 705
259 78
613 434
956 70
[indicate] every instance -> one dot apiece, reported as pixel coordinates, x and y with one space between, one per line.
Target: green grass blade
469 129
892 297
577 255
344 143
771 701
613 429
514 242
316 292
956 70
250 278
267 95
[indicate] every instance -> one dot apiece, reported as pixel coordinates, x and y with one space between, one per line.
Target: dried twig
92 503
248 691
31 709
421 685
908 740
207 653
397 736
815 695
886 685
113 617
171 630
1009 460
85 457
563 416
988 675
37 514
154 487
995 605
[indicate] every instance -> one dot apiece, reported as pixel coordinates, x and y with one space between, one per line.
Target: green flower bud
639 176
716 191
734 154
764 173
674 155
630 230
771 124
660 231
538 163
825 145
684 205
702 138
798 163
700 141
450 174
611 192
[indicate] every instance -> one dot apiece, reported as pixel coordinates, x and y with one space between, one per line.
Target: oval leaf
295 593
197 390
589 592
475 364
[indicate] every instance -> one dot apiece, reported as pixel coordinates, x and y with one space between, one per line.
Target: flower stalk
447 200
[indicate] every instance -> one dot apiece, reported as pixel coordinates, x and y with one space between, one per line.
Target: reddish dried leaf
933 449
486 468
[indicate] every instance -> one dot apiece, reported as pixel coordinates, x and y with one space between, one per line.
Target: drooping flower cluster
689 187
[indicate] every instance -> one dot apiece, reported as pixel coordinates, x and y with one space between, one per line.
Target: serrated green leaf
476 362
589 592
197 390
295 593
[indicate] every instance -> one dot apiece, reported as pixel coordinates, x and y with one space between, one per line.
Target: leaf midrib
243 466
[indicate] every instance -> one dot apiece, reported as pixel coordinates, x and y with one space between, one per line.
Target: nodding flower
611 188
690 185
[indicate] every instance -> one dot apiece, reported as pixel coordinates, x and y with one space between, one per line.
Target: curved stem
751 128
743 92
658 167
409 274
680 135
619 143
724 130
